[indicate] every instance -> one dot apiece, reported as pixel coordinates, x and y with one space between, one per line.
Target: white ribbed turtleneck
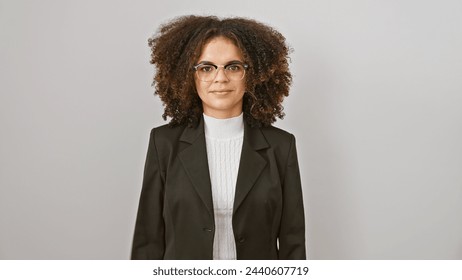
224 139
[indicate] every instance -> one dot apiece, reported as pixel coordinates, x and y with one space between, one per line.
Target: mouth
220 92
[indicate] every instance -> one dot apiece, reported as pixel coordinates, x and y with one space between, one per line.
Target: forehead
220 50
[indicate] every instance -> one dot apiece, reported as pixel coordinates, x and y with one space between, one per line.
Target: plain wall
375 107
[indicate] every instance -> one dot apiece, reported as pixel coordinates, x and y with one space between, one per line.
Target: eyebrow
227 63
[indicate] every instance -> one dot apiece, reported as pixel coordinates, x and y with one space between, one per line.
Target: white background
376 107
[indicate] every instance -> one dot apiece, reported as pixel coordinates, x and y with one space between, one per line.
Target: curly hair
177 45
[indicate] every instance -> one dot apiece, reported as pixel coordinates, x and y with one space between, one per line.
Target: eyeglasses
207 72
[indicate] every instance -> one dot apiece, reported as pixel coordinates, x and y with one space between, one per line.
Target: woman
220 182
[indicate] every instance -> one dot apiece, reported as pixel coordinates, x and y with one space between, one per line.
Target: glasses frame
196 67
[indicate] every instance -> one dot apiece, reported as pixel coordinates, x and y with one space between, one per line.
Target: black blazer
175 216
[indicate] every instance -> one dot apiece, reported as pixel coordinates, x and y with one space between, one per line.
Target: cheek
197 85
242 87
200 87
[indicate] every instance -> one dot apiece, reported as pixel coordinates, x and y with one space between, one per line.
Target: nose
221 75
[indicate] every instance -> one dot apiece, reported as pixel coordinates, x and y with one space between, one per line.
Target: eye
206 68
234 67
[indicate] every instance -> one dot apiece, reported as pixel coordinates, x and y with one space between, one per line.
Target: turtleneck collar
224 128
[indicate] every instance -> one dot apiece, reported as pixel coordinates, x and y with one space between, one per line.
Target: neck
224 128
219 114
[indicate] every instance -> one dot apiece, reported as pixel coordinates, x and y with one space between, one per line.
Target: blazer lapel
251 163
194 160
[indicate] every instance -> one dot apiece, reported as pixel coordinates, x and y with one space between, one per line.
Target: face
221 97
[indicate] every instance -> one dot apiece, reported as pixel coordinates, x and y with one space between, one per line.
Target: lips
220 91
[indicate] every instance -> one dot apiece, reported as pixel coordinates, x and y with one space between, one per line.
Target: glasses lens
206 72
235 72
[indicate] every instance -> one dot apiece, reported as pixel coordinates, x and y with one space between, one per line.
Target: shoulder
165 134
167 131
280 142
275 135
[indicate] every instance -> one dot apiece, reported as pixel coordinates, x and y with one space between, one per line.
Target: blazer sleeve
292 230
148 239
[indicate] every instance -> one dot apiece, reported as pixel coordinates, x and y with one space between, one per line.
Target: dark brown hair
178 44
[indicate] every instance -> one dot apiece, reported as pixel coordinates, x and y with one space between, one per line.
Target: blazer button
241 240
207 229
